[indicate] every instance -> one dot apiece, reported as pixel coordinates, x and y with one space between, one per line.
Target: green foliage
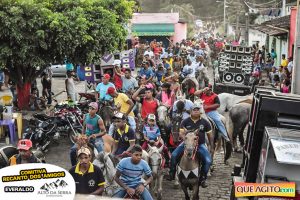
38 32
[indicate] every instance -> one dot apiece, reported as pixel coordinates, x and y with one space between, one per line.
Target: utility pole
283 7
225 28
247 29
296 61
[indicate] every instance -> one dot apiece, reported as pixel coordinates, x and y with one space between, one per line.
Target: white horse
156 164
163 117
202 77
227 101
104 162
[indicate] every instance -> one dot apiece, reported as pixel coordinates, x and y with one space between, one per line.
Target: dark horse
106 112
188 88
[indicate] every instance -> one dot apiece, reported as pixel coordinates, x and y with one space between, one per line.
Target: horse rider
101 89
123 105
189 71
152 136
25 155
146 71
89 178
124 135
149 103
182 106
211 104
93 127
129 174
129 83
194 122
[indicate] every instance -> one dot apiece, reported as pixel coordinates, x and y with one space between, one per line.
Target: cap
170 55
111 90
117 63
119 116
84 150
24 144
106 76
149 86
151 116
94 105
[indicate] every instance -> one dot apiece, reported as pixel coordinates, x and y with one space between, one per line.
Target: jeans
97 142
203 153
145 195
217 119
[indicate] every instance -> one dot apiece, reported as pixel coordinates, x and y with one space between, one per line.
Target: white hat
117 63
151 116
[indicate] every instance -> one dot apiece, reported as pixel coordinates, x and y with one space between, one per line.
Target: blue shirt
129 84
102 89
2 77
151 132
131 174
159 75
91 124
148 73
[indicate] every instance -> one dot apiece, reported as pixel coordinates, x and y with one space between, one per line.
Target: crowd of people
157 83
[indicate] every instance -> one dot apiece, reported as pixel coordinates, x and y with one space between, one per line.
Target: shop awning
153 29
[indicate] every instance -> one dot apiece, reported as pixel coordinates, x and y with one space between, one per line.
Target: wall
180 32
292 30
155 18
255 35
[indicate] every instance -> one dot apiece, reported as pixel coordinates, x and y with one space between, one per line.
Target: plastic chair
6 100
11 124
18 117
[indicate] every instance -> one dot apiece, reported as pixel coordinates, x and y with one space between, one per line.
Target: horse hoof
226 162
159 196
176 186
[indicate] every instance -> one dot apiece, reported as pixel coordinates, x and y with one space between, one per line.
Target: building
163 27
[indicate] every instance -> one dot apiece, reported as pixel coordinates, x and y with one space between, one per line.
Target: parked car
59 70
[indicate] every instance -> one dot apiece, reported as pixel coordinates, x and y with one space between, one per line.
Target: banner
287 189
36 181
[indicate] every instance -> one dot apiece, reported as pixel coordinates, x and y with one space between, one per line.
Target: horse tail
227 148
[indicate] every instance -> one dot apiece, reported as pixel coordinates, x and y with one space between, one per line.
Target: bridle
194 150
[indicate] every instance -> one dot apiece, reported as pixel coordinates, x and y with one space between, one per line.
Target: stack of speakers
236 65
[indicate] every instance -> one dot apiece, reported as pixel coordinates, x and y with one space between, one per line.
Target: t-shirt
129 84
102 89
131 174
92 126
88 182
284 63
151 132
146 72
121 100
123 139
188 104
202 124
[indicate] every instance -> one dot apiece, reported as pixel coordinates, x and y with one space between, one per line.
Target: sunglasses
91 108
196 109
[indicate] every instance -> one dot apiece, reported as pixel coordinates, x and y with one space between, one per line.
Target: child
152 135
36 103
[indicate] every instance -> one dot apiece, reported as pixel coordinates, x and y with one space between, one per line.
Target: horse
156 162
105 163
238 118
163 121
188 168
227 101
189 86
202 77
227 146
106 112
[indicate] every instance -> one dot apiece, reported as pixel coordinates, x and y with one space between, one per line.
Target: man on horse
94 128
89 178
211 104
102 88
123 104
129 174
192 123
182 106
124 135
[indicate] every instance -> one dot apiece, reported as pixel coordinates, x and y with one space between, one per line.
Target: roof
155 18
277 26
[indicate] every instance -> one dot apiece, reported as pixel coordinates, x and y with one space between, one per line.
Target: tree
34 33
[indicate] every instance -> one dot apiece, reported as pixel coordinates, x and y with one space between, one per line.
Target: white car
59 70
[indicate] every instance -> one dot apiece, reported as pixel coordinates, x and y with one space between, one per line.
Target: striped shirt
151 132
131 174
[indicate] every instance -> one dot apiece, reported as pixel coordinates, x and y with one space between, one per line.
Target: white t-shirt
189 70
71 86
150 53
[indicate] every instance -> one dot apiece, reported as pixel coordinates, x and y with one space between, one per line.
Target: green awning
153 29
